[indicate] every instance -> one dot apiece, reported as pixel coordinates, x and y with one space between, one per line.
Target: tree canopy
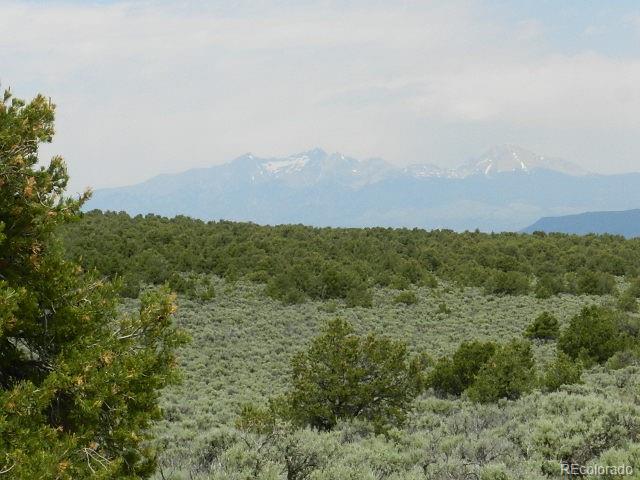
298 262
345 376
79 382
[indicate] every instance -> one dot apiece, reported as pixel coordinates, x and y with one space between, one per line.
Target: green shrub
544 327
345 376
592 336
561 371
252 418
152 266
494 472
336 282
627 302
182 284
407 297
284 288
624 358
509 373
453 376
443 378
429 280
359 296
591 282
399 282
129 286
330 306
258 276
634 287
549 285
443 308
508 283
206 293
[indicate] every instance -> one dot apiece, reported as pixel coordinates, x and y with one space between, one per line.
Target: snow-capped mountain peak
512 158
505 188
425 170
317 166
291 164
313 167
502 158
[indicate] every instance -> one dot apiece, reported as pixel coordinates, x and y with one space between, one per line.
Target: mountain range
625 223
506 188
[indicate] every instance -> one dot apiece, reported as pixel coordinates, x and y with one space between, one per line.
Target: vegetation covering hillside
316 354
241 354
299 262
497 356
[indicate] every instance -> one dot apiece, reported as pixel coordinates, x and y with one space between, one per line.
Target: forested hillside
299 262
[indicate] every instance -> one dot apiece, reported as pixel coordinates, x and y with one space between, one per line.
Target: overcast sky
151 87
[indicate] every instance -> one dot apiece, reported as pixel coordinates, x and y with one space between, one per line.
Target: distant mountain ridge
625 223
500 159
506 188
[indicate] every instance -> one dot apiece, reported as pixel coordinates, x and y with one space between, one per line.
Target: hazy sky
148 87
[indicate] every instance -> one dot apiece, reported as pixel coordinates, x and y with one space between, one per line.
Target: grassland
242 343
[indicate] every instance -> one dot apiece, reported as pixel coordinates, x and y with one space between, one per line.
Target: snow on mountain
425 170
317 166
498 159
288 165
504 189
511 158
313 167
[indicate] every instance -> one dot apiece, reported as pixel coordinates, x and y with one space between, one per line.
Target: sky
150 87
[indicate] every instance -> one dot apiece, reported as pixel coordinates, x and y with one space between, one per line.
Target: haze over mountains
625 223
506 188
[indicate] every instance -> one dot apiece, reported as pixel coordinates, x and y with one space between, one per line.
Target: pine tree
345 376
79 382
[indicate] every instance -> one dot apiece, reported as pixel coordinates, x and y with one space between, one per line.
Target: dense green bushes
298 282
344 376
299 262
593 336
508 283
549 285
544 327
241 354
591 282
407 298
561 371
582 281
628 300
509 373
486 371
452 376
193 286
